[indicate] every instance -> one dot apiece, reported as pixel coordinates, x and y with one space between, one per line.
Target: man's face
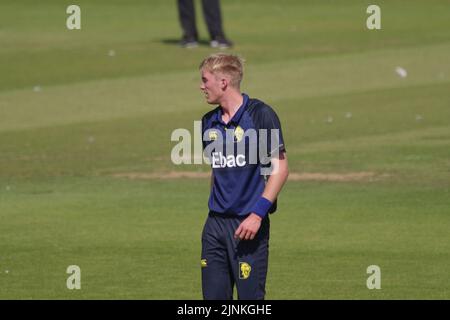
212 86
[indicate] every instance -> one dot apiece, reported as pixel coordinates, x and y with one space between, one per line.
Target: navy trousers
211 12
226 262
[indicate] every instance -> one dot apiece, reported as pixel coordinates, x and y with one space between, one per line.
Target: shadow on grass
176 42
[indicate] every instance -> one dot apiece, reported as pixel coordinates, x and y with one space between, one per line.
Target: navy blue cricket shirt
239 176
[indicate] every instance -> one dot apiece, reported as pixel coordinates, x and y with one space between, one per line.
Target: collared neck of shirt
237 116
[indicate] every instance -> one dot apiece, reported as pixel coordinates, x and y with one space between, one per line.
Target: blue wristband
262 207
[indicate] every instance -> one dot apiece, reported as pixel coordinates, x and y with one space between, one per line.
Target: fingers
244 233
249 236
247 229
237 234
240 232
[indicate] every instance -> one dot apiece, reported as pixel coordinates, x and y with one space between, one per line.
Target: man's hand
248 228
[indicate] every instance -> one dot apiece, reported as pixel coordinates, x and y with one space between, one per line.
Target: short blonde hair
228 64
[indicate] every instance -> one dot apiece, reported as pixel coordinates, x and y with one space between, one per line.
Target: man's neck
231 104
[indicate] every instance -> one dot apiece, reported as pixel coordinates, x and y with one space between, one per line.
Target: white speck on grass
419 117
329 119
91 139
37 89
401 72
348 115
8 188
112 53
6 271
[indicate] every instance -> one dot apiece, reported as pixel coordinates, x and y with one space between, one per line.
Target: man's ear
224 83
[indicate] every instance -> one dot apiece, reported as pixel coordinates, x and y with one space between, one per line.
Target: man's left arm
249 227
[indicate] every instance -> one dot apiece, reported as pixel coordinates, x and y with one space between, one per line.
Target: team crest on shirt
203 263
244 270
212 135
238 133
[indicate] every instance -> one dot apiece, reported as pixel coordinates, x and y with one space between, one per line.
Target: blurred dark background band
213 18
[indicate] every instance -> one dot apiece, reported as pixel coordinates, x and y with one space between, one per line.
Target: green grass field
72 117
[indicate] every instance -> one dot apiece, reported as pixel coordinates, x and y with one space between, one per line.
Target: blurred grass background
78 107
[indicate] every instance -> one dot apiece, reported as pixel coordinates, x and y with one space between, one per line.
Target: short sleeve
272 136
